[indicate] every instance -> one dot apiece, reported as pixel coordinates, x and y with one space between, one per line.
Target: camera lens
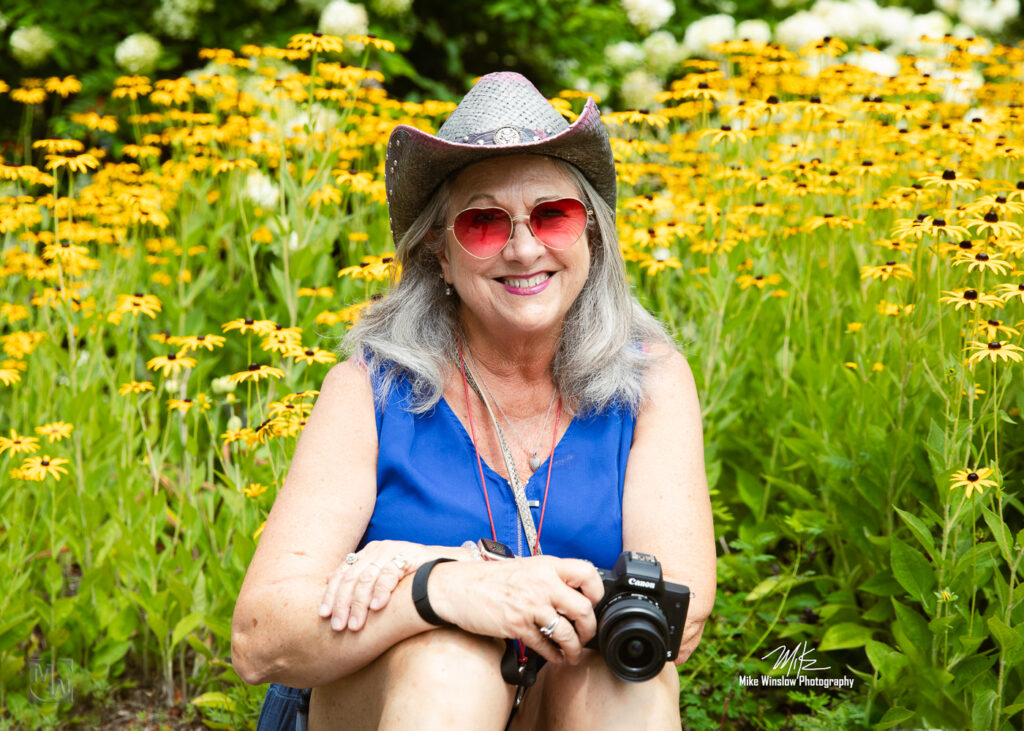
633 636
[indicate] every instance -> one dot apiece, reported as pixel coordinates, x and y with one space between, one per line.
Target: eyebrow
538 199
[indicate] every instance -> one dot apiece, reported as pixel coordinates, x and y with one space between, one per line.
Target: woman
508 388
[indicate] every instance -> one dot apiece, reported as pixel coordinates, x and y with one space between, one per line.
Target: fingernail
352 623
336 623
375 603
324 610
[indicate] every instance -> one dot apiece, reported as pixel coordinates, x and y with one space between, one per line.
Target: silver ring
401 562
549 630
351 558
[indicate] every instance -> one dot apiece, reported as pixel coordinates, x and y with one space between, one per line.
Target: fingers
363 583
581 575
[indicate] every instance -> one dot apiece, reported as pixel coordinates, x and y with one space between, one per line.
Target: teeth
521 283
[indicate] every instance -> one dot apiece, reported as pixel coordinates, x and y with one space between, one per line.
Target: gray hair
413 332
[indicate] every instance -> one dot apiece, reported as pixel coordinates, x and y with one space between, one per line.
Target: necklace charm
534 462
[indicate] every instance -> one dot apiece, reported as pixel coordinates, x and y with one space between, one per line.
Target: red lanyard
480 466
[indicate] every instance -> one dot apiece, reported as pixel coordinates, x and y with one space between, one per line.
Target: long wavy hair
413 331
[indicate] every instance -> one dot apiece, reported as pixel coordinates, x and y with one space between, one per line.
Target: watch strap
419 593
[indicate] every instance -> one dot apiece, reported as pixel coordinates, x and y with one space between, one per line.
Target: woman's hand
365 584
517 597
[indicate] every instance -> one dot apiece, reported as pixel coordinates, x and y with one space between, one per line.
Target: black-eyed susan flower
893 269
760 280
972 481
1009 291
182 405
17 443
171 363
55 431
248 325
138 304
63 87
725 132
970 298
281 342
58 146
9 376
37 469
190 343
78 164
256 372
993 329
981 261
949 179
135 387
854 327
310 355
316 42
325 292
990 222
995 350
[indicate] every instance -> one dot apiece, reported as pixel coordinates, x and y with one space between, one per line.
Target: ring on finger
351 558
549 628
400 561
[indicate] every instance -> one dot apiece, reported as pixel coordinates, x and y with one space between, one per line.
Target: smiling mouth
525 282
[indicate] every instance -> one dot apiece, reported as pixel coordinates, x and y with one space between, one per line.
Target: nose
523 246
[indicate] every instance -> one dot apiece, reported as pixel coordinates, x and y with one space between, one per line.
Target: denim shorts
284 709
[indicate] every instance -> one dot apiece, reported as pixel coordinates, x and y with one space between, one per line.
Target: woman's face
487 288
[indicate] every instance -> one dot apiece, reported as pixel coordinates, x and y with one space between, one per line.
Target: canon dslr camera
640 618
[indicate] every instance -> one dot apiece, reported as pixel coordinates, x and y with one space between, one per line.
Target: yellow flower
1009 291
182 405
316 42
948 179
971 298
725 132
171 363
189 343
259 530
993 328
972 480
56 430
63 87
9 376
854 327
889 269
135 387
28 96
325 292
982 262
18 443
371 40
256 372
309 356
37 469
77 164
994 351
146 304
760 281
248 325
255 489
55 146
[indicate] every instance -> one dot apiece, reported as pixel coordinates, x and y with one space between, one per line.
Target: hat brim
419 162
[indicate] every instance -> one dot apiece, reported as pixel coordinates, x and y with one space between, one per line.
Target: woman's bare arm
666 509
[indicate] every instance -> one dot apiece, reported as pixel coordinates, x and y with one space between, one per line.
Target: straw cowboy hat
503 114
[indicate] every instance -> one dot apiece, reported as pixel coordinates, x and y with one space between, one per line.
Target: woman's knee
447 656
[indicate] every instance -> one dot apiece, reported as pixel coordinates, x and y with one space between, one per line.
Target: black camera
640 618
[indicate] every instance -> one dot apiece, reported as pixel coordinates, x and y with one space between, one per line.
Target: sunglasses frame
512 231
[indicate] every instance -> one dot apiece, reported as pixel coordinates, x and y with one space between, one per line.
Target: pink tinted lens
483 231
559 224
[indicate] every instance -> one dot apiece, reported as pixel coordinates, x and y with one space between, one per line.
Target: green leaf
215 700
765 588
914 628
844 635
911 569
920 530
108 653
981 713
894 716
886 660
1000 532
185 625
881 584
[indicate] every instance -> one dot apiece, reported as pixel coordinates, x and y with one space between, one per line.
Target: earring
448 290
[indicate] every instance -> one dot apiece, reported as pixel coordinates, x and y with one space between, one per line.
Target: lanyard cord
483 482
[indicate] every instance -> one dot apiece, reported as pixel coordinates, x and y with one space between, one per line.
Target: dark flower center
973 477
317 34
726 128
967 245
939 222
981 256
890 263
994 323
254 366
991 217
970 294
44 462
948 175
867 163
995 345
172 356
248 321
772 99
1000 199
310 353
703 85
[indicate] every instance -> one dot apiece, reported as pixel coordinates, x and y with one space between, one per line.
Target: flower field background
838 253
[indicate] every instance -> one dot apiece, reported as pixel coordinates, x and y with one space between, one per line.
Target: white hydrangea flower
4 22
949 7
930 25
343 19
30 45
979 14
648 15
894 27
876 62
754 30
959 87
706 32
392 8
639 88
800 29
261 190
624 55
175 20
662 52
138 53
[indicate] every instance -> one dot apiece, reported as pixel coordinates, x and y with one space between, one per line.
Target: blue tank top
428 484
